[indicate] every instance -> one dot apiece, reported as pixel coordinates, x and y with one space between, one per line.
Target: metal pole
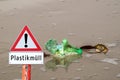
26 72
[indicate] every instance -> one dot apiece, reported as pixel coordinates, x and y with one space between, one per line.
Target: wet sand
80 21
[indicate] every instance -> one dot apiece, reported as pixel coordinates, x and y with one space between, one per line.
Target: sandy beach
82 22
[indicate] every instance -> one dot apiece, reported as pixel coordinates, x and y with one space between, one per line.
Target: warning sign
26 42
26 49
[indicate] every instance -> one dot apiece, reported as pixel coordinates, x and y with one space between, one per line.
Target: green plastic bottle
69 48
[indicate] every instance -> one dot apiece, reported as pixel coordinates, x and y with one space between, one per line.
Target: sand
80 21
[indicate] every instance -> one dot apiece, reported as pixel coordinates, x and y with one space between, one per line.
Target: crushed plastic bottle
63 54
63 49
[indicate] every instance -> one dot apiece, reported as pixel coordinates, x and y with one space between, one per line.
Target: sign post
26 51
26 72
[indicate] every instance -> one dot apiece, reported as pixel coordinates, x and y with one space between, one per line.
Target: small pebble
100 38
15 8
77 78
88 55
53 78
79 69
115 12
106 68
3 72
43 69
1 27
71 34
54 25
62 0
118 76
91 75
97 0
76 61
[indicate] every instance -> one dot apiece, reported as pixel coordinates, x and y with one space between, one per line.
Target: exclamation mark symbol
25 37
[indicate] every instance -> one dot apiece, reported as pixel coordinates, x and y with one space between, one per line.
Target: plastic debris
63 49
62 54
110 60
111 45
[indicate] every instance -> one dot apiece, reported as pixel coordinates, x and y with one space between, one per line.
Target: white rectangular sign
30 57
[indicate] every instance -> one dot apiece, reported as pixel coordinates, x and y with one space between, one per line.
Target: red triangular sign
26 42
